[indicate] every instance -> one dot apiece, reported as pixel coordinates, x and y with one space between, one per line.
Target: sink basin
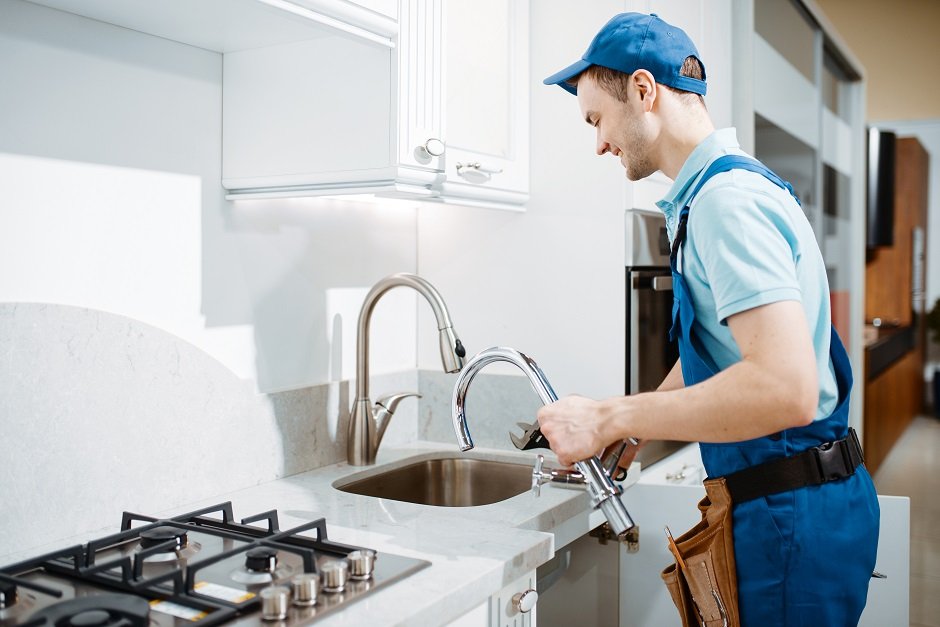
446 482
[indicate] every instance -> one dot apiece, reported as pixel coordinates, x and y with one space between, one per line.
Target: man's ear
645 85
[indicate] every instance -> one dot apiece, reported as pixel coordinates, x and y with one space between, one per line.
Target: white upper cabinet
230 25
486 102
442 116
405 98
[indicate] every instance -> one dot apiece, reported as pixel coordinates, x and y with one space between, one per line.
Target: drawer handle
477 172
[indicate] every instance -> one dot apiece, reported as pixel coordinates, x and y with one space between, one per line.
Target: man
761 377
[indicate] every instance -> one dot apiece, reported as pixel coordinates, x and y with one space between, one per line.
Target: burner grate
182 568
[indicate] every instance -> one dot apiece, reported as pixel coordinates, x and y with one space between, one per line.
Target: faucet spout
604 493
363 435
498 353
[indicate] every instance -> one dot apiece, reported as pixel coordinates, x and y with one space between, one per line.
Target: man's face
621 130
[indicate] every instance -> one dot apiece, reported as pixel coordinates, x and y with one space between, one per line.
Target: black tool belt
821 464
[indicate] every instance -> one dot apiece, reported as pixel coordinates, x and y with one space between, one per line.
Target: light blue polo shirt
748 244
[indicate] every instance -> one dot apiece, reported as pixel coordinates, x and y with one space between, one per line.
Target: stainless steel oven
649 353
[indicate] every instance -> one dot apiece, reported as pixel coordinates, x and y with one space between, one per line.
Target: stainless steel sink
446 482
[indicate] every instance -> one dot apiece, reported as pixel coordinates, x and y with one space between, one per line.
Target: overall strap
724 164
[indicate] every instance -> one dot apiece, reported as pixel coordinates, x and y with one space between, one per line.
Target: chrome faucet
367 424
604 493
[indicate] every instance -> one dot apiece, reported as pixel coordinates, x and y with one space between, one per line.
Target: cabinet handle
476 172
525 601
431 148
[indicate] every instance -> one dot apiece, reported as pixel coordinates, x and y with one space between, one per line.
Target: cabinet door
643 596
504 609
289 118
420 85
889 598
486 100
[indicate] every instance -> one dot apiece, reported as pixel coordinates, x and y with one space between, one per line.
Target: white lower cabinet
589 583
513 606
889 598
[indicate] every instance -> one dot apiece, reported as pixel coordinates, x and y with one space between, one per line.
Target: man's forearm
740 403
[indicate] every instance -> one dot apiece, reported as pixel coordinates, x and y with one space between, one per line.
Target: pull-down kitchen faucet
367 424
604 493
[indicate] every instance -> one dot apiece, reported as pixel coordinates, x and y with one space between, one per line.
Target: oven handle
658 283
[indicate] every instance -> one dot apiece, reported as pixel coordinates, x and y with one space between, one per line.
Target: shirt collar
719 142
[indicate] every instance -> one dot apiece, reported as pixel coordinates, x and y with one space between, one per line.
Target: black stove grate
92 566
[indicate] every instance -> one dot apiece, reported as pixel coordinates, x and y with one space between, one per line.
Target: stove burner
261 560
7 594
150 538
261 567
106 610
158 535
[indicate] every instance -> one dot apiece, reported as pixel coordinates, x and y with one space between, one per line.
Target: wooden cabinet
892 399
889 273
894 293
441 116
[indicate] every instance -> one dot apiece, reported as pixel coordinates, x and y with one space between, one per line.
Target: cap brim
561 78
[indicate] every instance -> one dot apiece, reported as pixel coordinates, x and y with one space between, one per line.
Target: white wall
110 159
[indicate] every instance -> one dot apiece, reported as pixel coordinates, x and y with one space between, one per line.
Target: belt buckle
831 460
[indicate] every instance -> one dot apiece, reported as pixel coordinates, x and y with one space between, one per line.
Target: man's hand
574 426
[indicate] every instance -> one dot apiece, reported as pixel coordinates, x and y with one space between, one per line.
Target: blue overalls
804 557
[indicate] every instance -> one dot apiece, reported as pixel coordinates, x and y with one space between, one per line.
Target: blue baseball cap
636 41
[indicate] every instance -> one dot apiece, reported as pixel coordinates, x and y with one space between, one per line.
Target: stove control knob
525 601
361 563
334 576
304 589
262 560
274 603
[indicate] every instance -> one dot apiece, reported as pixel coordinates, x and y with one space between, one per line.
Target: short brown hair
615 82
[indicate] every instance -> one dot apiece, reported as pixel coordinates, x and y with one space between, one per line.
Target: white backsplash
495 403
100 414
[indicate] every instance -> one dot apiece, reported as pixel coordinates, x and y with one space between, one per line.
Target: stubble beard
638 164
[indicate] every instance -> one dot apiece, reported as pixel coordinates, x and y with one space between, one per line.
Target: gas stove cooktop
201 568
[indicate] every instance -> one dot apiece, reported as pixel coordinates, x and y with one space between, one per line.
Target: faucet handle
384 408
537 476
390 402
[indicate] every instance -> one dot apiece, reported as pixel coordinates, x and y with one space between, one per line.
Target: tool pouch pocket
702 582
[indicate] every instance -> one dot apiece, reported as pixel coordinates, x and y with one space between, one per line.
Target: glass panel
836 248
784 26
835 82
478 65
790 158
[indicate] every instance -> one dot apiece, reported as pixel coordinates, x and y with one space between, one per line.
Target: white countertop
474 551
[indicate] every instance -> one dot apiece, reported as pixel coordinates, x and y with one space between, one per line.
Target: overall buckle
833 461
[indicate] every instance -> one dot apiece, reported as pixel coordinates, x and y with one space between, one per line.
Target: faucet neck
498 353
402 279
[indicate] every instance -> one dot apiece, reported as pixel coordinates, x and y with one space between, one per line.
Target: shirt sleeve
747 247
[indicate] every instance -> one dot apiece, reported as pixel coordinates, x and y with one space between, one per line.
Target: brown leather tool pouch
703 583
